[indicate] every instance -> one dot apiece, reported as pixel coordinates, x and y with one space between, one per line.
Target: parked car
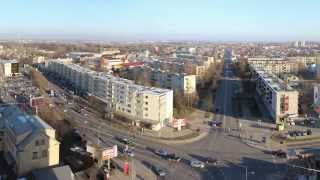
125 141
210 160
159 171
173 157
129 152
280 153
197 164
162 152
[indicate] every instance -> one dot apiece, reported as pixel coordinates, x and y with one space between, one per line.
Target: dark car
159 171
173 157
210 160
280 153
125 141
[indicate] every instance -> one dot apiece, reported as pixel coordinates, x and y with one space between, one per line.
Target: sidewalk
137 171
196 121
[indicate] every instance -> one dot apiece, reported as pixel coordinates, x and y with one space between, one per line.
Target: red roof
132 64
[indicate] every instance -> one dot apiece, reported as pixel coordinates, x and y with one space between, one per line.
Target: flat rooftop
3 61
273 81
106 76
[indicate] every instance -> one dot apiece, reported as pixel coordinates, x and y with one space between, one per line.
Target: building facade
178 82
280 99
29 143
141 104
274 65
8 68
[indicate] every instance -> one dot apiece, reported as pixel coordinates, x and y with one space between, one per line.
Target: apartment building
151 106
196 67
304 60
280 99
8 68
178 82
316 98
28 142
274 65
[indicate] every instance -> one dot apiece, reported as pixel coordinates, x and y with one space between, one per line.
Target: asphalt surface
234 157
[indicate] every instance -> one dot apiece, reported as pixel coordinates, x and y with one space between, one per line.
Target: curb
197 138
254 146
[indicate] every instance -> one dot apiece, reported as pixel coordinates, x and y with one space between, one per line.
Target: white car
197 164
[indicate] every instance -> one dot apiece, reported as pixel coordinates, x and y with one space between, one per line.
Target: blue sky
161 19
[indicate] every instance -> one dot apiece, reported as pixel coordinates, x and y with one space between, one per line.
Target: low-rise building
29 143
280 99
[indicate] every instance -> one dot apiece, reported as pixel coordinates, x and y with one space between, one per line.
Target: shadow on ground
256 170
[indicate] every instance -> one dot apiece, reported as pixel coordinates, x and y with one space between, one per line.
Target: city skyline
234 20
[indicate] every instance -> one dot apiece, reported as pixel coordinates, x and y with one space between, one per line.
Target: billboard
36 101
110 153
178 123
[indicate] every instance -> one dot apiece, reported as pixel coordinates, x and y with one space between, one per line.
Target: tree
180 104
144 79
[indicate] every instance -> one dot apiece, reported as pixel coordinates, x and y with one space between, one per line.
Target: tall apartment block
280 99
150 106
274 65
178 82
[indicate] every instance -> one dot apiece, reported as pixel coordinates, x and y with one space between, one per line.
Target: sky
127 20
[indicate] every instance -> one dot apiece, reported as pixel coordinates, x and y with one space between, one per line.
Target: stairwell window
44 153
37 143
35 155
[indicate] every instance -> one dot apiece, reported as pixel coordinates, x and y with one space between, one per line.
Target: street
234 157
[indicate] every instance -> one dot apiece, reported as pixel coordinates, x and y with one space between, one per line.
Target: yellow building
29 143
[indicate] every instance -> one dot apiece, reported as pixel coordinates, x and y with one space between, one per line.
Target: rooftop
2 61
106 76
21 123
273 81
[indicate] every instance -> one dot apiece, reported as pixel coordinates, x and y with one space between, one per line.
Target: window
43 142
146 109
35 155
146 97
44 153
146 103
37 143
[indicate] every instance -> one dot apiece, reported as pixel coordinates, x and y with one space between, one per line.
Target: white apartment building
186 84
196 67
28 142
280 99
316 98
273 65
300 44
304 60
8 68
152 106
178 82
